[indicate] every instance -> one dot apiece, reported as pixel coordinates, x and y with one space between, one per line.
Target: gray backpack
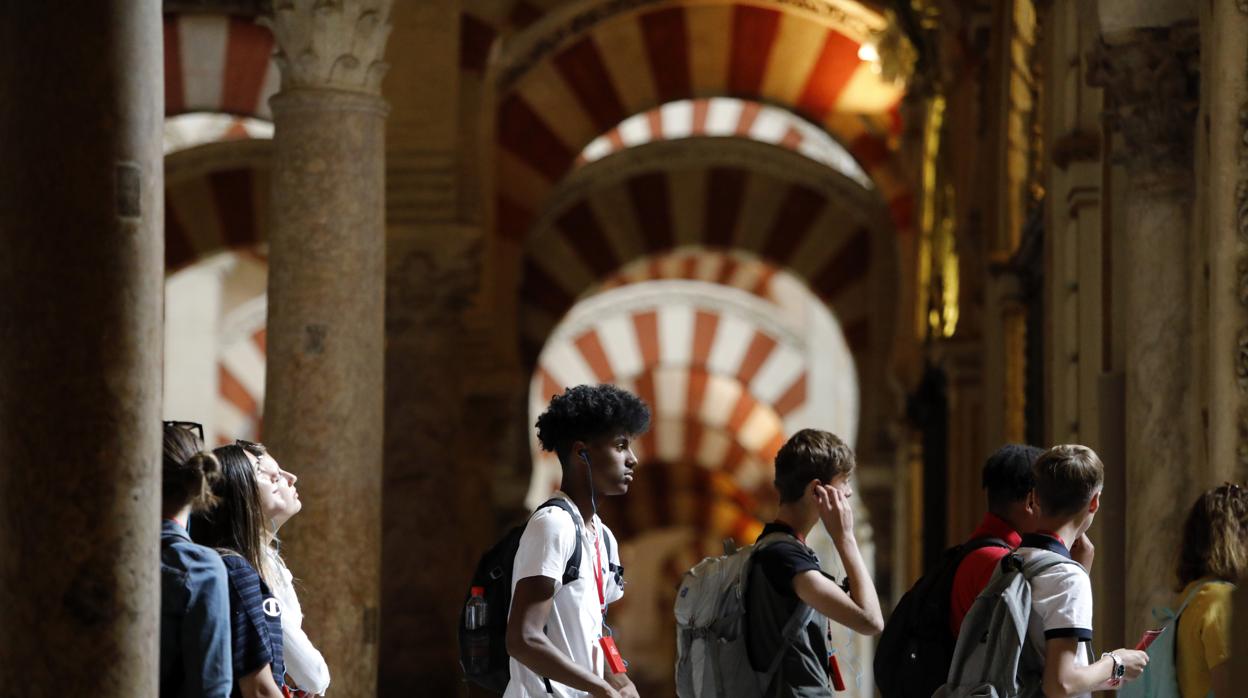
711 655
993 658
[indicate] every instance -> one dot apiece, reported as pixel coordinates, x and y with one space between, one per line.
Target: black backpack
914 653
494 576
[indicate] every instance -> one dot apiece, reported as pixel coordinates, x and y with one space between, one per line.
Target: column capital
335 44
1152 81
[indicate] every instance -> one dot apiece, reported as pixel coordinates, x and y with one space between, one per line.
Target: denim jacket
195 660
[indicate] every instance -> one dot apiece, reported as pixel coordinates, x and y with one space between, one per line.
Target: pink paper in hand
1148 637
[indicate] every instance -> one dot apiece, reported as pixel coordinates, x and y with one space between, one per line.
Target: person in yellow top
1214 556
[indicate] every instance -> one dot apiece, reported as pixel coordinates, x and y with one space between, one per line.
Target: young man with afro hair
555 631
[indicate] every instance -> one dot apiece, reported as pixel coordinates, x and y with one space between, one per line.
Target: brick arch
216 199
572 77
803 217
218 63
728 268
726 381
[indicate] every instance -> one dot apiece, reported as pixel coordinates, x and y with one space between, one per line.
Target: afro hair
588 412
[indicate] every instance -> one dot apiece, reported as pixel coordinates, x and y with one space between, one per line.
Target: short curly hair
587 412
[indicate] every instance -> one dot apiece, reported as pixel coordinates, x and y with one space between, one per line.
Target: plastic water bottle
475 619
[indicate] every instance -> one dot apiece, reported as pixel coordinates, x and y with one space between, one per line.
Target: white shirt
304 663
1061 603
575 621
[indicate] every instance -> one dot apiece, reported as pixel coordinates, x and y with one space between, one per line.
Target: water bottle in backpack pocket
477 633
483 618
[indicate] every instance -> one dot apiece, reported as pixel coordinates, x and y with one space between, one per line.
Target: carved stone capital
1152 83
334 44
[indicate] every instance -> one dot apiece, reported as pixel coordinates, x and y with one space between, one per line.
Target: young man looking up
1007 480
1066 498
812 476
555 630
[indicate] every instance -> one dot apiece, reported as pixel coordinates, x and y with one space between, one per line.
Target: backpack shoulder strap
1045 560
571 571
979 543
1191 595
796 622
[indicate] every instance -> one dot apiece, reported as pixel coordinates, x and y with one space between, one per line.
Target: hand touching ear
835 512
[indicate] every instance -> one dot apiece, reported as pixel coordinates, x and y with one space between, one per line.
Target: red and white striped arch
219 75
218 63
728 268
630 63
725 382
240 372
728 118
666 195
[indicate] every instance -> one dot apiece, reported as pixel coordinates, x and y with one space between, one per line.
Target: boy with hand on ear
812 475
556 629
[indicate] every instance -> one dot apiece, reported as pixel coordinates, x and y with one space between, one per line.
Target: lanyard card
612 654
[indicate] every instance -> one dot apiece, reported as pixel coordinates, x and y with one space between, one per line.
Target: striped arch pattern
665 123
828 243
240 378
728 268
223 208
218 63
587 87
721 389
216 195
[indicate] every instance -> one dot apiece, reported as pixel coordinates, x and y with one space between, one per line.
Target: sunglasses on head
190 426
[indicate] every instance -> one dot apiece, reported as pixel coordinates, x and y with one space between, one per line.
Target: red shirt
976 568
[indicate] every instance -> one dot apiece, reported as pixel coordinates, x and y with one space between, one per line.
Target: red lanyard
602 599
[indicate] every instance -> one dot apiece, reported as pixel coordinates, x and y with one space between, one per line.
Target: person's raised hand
835 512
1083 552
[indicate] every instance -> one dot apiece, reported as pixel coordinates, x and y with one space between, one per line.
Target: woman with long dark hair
307 674
236 529
195 660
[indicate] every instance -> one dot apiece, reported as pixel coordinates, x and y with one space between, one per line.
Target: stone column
1225 203
324 383
1151 80
81 274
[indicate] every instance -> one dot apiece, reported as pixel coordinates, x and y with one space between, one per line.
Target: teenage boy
812 476
556 633
1007 479
1066 498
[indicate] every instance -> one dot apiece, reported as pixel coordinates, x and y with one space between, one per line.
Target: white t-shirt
1061 601
575 621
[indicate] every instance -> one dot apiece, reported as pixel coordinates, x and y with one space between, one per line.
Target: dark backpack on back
916 648
494 576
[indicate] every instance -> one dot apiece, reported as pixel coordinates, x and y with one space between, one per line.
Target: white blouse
304 663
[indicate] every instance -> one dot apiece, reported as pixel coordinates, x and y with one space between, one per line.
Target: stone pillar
1225 203
449 423
324 383
1151 80
81 274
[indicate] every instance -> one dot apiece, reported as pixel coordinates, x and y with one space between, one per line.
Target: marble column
81 274
324 382
1151 80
